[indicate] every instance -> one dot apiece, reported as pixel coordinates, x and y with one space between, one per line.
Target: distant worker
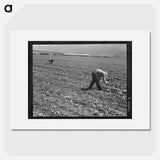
50 61
96 77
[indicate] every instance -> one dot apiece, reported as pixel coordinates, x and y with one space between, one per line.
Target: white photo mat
140 80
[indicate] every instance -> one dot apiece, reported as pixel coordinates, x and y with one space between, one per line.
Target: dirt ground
58 88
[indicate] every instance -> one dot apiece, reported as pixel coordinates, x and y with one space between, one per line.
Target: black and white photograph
80 79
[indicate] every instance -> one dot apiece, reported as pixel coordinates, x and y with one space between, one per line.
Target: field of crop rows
58 87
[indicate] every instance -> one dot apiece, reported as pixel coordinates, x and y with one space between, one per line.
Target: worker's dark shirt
101 74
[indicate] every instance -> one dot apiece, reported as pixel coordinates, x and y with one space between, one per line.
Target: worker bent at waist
97 75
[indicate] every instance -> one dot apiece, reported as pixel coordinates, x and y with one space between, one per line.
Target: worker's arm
105 77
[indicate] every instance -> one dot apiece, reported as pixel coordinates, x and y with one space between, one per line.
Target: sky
92 49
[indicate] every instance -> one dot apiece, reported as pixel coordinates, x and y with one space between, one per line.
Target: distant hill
46 52
100 50
77 54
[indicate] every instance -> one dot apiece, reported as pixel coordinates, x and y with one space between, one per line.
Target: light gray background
80 17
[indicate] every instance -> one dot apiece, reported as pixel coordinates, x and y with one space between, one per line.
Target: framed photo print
80 80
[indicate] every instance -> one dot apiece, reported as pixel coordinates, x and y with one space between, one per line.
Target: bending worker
96 77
